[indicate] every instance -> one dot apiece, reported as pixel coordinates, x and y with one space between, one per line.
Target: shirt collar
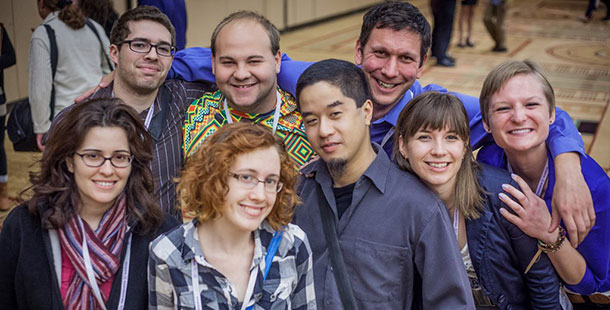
377 172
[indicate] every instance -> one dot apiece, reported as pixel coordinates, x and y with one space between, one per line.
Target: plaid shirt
289 284
167 154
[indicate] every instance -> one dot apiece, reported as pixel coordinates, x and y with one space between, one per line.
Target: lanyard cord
93 283
543 177
276 113
390 132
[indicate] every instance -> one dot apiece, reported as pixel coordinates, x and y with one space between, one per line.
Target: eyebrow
256 172
330 105
100 151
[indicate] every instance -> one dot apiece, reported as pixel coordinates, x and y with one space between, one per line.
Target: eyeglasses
95 160
144 47
249 181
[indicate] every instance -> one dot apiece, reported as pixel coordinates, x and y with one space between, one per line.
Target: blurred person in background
7 59
81 60
100 11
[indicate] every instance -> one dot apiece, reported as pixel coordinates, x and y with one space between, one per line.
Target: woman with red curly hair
240 249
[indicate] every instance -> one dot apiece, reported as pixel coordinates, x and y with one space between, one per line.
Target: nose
106 168
241 72
438 148
390 68
326 128
258 193
152 54
518 114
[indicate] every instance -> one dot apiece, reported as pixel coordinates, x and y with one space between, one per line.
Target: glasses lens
120 160
165 50
93 160
139 46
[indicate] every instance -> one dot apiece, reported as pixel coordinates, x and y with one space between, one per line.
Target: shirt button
328 302
273 298
331 269
258 296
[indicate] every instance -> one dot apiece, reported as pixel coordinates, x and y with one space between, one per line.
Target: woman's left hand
531 213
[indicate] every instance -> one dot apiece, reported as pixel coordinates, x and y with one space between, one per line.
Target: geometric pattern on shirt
206 115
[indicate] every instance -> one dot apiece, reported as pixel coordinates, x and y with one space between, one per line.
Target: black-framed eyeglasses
249 181
95 160
144 47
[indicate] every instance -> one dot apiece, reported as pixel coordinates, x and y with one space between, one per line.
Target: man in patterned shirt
245 61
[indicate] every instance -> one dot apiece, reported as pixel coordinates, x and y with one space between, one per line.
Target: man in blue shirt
392 50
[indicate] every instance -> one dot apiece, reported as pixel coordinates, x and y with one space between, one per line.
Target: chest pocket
275 294
378 270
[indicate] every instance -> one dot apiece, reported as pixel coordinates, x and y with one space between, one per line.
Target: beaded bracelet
553 247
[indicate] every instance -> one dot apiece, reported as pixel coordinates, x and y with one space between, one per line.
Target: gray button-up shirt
397 241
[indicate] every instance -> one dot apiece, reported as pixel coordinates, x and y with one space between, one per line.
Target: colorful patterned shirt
289 283
206 115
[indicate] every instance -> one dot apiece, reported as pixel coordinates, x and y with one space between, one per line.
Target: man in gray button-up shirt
399 249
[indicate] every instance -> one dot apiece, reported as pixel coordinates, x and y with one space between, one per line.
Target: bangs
440 114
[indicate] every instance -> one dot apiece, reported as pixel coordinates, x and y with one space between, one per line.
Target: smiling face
142 73
436 157
245 208
336 128
519 116
391 63
98 187
245 67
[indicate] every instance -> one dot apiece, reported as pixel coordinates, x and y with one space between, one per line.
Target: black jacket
27 276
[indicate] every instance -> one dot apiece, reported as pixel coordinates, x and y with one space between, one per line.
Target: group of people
370 197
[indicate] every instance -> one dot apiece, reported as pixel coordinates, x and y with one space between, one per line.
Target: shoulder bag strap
53 46
92 27
344 285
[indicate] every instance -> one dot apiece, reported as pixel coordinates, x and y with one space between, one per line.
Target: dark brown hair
436 111
54 186
203 185
69 14
120 31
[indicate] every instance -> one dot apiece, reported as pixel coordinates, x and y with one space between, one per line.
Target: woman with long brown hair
80 241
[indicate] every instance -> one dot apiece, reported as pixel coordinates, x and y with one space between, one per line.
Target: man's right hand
104 82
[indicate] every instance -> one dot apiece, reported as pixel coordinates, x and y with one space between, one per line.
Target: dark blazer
500 252
27 272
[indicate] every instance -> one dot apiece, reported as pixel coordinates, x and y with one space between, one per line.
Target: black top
343 197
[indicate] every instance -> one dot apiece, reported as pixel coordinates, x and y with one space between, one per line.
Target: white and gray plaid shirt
289 283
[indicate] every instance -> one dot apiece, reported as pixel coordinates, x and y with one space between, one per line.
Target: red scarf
104 249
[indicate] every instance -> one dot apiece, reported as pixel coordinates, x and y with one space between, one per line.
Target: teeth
385 85
520 131
105 184
253 211
438 165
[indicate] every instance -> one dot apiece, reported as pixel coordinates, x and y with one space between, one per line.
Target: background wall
20 17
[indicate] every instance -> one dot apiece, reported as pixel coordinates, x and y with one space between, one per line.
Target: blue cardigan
500 252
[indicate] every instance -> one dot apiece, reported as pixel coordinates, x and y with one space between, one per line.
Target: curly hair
54 186
203 186
436 111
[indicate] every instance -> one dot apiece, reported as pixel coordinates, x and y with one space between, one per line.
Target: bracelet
553 247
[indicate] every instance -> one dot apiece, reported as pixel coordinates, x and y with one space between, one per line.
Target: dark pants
443 11
494 22
592 8
3 168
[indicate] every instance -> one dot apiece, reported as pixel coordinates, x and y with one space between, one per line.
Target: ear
420 70
552 117
367 108
114 54
486 127
278 61
70 163
402 147
358 53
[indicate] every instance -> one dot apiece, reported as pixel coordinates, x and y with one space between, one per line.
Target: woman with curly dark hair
78 243
240 249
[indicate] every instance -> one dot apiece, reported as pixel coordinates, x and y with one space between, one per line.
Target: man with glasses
142 45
